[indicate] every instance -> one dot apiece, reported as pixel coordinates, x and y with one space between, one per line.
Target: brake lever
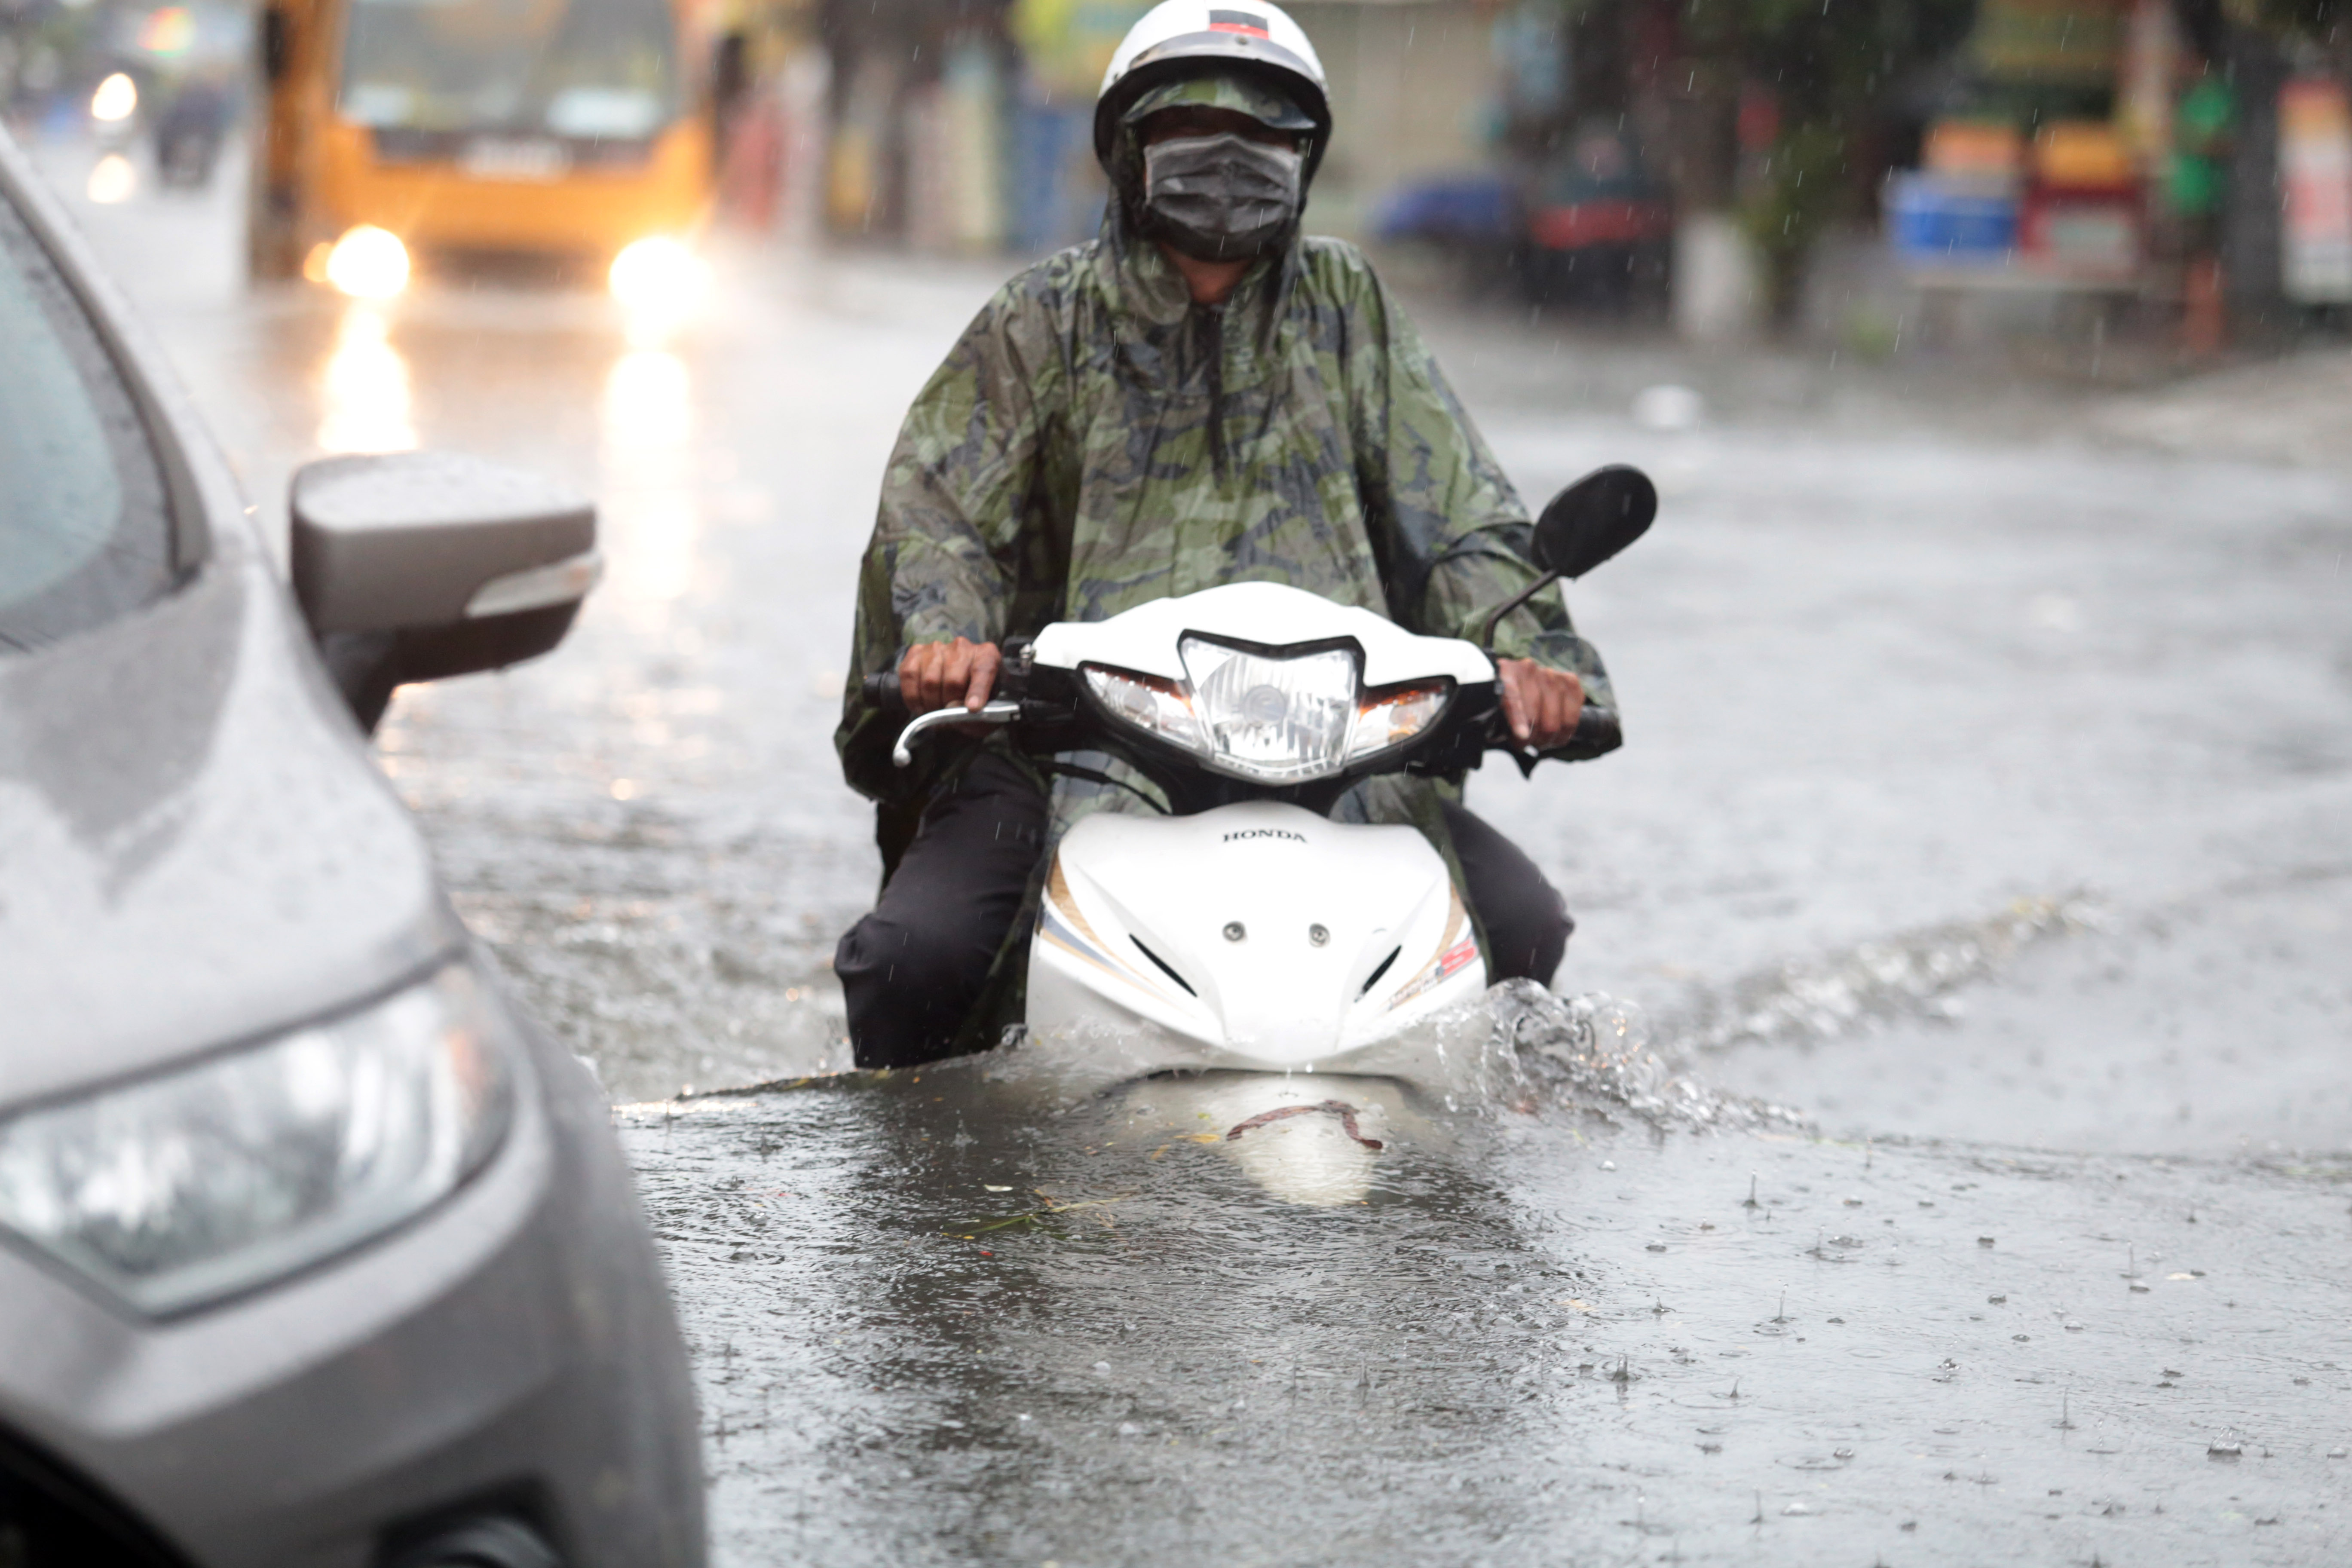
992 713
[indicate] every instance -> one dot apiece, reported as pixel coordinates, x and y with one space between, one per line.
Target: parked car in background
313 1250
1599 228
1588 227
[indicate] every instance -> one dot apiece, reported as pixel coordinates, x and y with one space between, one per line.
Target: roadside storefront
2079 167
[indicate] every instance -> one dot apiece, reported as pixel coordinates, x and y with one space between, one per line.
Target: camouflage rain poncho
1095 441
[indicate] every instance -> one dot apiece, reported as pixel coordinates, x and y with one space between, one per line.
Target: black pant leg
911 971
1527 920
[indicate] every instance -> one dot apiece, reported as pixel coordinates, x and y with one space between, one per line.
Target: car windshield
602 69
85 533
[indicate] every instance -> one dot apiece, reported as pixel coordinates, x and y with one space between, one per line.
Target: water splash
1596 1052
1912 972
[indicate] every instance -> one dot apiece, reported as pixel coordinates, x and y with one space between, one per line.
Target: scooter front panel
1258 936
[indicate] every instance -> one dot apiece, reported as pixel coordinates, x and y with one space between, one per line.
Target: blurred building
1718 165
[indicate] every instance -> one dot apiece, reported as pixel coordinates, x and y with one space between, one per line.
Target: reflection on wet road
363 387
940 1323
1986 782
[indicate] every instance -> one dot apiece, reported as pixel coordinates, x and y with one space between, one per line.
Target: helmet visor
1220 89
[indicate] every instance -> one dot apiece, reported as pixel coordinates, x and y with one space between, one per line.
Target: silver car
314 1251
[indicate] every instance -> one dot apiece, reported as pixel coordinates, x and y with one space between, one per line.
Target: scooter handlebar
882 691
1597 731
1597 728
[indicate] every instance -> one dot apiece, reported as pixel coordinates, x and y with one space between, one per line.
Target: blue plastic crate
1934 220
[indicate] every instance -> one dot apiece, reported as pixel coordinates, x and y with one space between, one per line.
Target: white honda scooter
1300 972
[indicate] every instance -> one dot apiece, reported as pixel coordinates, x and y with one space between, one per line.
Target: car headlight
1274 718
208 1180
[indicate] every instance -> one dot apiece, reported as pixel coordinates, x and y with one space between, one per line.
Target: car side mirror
420 565
1584 525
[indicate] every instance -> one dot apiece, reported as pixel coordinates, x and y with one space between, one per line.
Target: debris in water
1984 1241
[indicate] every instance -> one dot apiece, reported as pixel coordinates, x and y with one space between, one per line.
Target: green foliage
1804 190
1833 66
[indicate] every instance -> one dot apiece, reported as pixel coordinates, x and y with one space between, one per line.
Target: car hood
195 846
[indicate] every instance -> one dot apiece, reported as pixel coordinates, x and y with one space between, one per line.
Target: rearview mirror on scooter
1593 519
1583 526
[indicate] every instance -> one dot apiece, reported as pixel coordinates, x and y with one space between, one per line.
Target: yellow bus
571 128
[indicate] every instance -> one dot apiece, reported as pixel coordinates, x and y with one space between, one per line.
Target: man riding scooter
1199 396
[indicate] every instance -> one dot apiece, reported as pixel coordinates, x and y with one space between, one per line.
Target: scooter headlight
1279 720
1270 718
200 1182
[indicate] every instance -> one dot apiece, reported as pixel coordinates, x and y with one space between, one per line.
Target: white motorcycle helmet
1177 38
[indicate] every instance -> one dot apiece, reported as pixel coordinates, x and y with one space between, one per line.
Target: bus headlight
657 273
199 1183
116 100
368 263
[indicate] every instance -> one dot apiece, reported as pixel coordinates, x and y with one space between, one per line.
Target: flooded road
1988 801
941 1327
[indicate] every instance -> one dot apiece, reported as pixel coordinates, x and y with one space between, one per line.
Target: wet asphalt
1988 803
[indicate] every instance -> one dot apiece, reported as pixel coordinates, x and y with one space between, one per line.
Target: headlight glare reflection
368 263
116 100
656 274
200 1182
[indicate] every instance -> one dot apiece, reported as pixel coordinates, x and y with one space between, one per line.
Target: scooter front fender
1257 937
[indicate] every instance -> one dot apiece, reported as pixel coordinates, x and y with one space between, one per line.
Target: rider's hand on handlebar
936 674
1540 704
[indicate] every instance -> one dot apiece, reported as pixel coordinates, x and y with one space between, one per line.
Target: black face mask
1221 198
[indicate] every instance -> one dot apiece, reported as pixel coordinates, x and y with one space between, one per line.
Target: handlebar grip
1596 727
1597 731
882 690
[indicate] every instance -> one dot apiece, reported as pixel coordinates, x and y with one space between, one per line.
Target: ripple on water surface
939 1318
